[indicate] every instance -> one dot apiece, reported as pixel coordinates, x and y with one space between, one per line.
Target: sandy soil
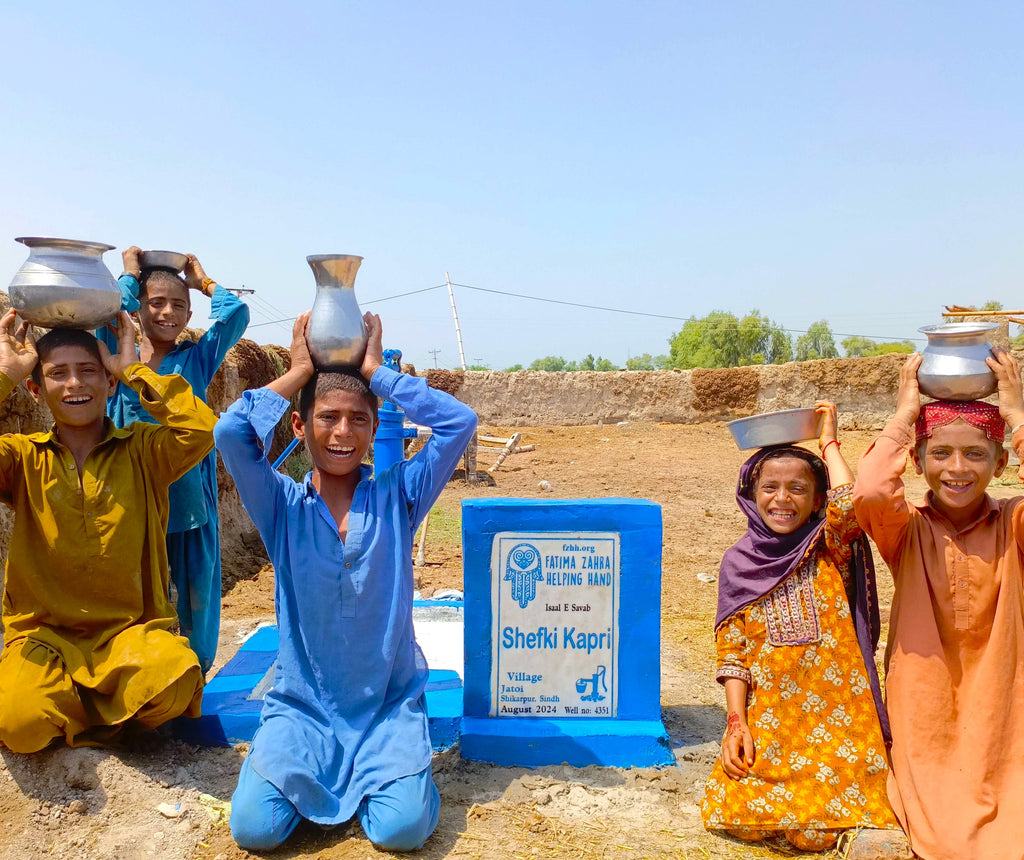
165 802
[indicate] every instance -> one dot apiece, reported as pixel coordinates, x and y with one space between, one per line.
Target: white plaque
555 602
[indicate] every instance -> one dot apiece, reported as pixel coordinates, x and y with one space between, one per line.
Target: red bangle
835 442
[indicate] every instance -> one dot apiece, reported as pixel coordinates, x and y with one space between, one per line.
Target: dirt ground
167 802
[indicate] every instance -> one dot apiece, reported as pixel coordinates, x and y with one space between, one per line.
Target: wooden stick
509 448
421 551
970 312
469 461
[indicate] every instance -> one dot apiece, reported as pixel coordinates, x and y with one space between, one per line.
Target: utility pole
455 313
469 457
434 353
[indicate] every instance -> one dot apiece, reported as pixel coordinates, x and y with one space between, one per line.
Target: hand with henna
737 748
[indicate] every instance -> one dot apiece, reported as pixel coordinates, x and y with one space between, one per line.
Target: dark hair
58 337
158 275
335 379
817 465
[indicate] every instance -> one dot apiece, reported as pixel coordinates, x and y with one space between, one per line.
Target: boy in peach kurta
955 656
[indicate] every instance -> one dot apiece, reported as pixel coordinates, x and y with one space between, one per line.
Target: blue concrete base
634 736
532 742
233 698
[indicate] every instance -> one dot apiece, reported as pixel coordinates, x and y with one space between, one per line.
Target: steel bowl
171 260
776 428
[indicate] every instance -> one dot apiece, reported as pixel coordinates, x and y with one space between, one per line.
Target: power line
571 304
583 305
646 314
362 304
403 295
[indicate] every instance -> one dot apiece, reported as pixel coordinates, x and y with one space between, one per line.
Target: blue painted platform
512 742
233 698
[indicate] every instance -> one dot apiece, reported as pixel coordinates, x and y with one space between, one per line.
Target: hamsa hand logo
523 570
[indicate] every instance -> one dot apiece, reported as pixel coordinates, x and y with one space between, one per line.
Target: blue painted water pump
389 443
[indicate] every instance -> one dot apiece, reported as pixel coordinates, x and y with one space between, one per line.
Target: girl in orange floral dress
797 625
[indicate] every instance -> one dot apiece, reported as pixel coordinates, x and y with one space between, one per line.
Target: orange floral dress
820 761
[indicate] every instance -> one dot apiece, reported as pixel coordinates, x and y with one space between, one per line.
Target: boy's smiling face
958 462
165 308
75 386
338 431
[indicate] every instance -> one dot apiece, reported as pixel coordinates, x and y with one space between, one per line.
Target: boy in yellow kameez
87 620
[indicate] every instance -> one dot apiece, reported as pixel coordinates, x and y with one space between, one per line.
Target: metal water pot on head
953 363
336 332
64 284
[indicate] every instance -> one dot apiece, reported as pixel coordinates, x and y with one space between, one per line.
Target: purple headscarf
762 559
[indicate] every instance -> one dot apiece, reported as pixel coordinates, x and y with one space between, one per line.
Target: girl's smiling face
786 494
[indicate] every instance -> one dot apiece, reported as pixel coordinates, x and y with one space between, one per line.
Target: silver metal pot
776 428
64 284
953 365
336 332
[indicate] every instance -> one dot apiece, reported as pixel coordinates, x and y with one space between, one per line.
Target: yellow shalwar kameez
86 613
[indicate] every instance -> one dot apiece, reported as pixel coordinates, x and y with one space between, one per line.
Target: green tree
863 347
647 362
855 346
640 362
722 340
477 367
513 368
816 342
904 346
553 363
603 365
587 363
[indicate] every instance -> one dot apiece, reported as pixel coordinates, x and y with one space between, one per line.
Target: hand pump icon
592 681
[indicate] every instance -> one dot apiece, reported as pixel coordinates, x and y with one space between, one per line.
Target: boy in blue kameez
343 730
160 301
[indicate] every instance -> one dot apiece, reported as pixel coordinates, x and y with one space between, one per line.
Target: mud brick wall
863 388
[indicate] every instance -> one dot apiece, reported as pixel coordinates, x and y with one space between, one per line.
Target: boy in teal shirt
160 301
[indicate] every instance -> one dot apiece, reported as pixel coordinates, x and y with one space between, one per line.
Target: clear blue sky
861 162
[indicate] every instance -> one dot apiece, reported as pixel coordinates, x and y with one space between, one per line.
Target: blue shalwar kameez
193 539
344 728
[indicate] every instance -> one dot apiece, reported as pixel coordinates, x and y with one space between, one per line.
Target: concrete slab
233 698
